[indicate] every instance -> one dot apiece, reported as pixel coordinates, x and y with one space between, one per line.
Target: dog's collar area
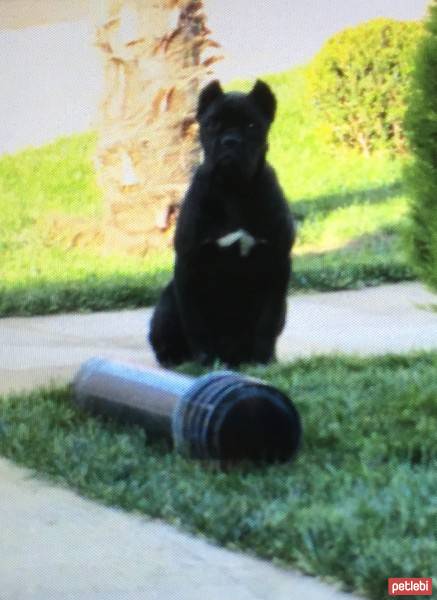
243 237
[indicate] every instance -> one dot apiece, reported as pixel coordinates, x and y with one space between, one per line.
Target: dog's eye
251 125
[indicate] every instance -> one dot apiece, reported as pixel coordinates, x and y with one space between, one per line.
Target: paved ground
391 318
57 546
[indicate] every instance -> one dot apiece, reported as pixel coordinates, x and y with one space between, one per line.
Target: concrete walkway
57 546
390 318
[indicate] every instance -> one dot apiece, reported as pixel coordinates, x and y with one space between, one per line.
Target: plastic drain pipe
219 416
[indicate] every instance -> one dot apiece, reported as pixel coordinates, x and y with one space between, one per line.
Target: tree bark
154 55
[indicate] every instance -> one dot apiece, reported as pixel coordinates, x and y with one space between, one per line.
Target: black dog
227 299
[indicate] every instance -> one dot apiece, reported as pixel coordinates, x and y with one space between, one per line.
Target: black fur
224 302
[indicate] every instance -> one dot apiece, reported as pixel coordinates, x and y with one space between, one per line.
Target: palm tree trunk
154 63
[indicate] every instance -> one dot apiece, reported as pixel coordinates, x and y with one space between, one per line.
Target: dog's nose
230 141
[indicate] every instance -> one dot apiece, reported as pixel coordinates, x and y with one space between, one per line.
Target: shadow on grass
369 260
324 204
92 293
365 261
383 241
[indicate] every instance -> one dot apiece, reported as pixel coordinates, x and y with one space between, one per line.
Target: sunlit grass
343 226
344 203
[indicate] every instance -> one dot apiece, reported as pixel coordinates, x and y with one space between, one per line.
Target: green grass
351 214
358 505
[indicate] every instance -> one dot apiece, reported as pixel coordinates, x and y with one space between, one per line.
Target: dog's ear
209 93
264 98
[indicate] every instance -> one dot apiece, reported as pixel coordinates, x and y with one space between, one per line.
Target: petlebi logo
410 586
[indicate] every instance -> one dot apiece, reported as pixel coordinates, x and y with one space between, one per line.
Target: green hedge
421 175
358 83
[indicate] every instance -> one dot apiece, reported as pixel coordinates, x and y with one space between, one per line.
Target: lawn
358 505
350 209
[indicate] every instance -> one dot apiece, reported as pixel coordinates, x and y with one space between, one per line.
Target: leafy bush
421 175
358 83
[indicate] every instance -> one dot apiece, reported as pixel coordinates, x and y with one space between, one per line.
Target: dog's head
234 128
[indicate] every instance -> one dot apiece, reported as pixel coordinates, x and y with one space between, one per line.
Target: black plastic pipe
222 415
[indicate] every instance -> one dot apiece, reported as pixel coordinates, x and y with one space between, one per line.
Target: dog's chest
236 256
234 229
240 240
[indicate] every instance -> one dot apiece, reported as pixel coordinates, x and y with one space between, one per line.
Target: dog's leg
199 327
166 333
270 323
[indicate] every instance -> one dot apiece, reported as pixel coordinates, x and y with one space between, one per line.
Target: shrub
358 84
421 174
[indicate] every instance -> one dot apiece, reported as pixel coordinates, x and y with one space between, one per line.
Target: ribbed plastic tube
221 416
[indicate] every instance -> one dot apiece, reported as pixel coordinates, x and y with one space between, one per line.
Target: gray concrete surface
389 318
55 545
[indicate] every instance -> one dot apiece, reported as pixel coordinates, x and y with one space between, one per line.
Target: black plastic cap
229 417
